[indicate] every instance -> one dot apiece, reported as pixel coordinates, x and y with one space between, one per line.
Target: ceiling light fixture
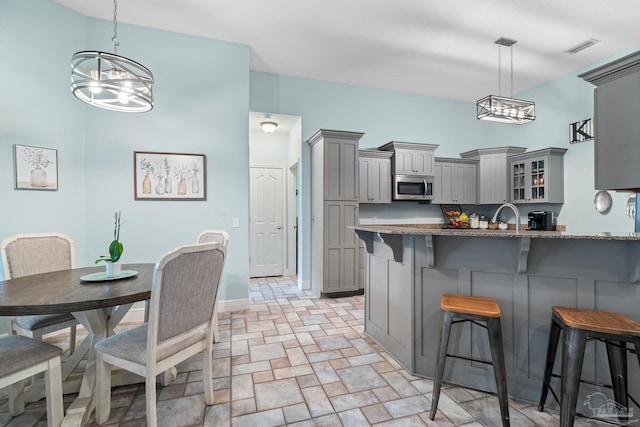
268 125
581 46
503 109
111 81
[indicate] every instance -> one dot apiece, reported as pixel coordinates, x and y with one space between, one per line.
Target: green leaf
115 250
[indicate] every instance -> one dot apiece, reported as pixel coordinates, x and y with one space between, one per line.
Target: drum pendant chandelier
503 109
111 81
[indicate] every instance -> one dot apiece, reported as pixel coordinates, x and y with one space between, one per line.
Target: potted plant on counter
116 248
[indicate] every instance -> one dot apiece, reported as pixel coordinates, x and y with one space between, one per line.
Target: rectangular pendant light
501 108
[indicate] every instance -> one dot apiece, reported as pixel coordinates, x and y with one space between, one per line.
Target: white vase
113 269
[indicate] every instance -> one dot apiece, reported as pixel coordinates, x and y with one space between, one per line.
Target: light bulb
123 98
94 86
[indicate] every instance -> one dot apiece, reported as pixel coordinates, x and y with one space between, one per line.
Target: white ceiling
441 48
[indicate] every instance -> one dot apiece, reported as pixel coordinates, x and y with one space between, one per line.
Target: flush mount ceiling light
268 125
503 109
111 81
581 46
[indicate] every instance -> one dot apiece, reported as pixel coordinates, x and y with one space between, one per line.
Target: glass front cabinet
537 176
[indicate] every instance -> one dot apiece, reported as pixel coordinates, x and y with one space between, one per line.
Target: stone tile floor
296 360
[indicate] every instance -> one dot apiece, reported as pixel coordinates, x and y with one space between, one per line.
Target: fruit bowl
454 217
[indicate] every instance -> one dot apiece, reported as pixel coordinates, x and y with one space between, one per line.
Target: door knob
279 227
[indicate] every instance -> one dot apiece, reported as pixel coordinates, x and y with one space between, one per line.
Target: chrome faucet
515 210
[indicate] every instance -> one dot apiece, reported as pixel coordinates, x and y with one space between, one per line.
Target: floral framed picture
169 176
35 168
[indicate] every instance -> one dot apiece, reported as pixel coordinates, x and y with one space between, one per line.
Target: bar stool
580 326
472 309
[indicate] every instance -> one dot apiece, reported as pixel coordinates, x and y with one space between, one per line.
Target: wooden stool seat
597 321
466 308
479 306
579 326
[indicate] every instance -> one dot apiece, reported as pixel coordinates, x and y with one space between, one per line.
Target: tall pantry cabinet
335 263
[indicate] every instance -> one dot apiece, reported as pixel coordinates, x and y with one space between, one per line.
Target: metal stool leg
445 332
497 356
572 357
552 347
617 354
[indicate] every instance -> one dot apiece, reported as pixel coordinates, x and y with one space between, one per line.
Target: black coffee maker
541 220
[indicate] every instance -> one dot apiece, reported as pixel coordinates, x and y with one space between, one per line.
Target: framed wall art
35 168
169 176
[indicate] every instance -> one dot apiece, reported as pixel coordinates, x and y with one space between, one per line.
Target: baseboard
234 305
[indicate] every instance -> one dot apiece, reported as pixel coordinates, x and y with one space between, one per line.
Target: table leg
99 324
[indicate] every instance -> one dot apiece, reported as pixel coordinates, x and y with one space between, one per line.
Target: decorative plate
101 276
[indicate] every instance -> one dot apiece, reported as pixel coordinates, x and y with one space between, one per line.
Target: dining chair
28 254
222 237
21 358
183 294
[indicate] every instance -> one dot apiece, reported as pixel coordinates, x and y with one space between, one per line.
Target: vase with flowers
113 267
39 161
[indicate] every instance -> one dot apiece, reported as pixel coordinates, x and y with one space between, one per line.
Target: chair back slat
28 254
185 289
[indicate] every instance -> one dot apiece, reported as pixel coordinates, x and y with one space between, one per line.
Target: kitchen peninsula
409 267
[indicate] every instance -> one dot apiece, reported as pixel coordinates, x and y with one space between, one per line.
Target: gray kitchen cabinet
375 176
341 247
455 181
538 176
616 106
335 259
411 158
339 152
493 169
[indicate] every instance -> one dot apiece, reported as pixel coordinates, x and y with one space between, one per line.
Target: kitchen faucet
515 210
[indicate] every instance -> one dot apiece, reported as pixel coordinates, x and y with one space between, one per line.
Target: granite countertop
438 230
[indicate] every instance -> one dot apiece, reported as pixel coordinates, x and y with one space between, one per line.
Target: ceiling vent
581 46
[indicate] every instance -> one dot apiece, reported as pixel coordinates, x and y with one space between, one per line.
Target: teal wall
204 92
202 106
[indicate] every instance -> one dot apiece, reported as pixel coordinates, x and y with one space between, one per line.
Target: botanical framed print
35 168
169 176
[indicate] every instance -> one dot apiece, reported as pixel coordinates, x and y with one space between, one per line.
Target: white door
266 225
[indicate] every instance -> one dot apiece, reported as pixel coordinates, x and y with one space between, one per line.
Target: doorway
274 167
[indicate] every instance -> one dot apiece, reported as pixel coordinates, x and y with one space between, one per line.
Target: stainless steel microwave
412 187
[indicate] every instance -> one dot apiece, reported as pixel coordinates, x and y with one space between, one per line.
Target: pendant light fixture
268 125
111 81
503 109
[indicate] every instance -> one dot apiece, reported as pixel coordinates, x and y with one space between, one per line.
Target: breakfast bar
409 267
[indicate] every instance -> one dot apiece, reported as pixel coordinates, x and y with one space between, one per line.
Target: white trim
234 305
304 285
291 199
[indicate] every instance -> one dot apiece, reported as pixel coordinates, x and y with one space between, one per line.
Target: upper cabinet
493 181
455 181
411 158
375 176
336 153
538 176
617 102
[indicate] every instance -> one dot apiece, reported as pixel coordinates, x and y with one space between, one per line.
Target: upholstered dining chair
27 254
183 294
222 237
21 358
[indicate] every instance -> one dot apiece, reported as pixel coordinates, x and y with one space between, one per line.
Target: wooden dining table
99 303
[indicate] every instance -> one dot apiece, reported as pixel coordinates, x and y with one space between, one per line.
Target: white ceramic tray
101 276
